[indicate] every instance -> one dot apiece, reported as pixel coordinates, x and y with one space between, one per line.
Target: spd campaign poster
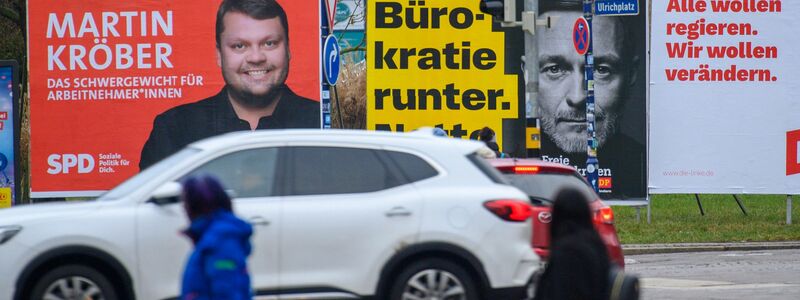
101 71
619 48
725 114
438 63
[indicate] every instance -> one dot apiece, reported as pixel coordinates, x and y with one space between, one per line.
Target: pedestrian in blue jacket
217 267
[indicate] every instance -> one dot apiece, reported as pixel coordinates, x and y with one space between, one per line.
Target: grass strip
676 219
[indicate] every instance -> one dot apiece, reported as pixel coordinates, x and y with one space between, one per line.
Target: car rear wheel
434 279
74 282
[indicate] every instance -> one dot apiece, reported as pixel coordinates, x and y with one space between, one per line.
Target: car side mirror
168 193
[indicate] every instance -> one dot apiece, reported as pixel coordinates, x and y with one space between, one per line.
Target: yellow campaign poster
437 63
5 197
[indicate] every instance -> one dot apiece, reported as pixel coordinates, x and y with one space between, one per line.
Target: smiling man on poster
252 44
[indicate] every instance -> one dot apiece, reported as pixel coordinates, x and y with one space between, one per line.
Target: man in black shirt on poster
618 64
252 38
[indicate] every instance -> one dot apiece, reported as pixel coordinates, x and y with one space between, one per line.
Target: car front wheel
74 282
434 279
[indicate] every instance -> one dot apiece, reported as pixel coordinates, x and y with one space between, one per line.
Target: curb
635 249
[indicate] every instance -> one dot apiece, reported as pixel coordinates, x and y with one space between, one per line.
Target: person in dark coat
487 136
217 267
579 266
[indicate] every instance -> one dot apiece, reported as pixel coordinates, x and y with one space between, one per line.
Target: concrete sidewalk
633 249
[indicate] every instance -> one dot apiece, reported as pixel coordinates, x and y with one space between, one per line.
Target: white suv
336 215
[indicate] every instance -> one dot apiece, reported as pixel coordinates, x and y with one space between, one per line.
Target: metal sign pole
331 67
339 108
531 75
592 163
788 209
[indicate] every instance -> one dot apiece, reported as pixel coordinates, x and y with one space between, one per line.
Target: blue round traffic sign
330 59
581 36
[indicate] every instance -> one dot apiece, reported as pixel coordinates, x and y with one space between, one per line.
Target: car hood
26 214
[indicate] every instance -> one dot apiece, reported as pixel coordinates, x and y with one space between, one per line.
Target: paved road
769 274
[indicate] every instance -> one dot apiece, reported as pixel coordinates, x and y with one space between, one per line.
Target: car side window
338 170
412 166
247 173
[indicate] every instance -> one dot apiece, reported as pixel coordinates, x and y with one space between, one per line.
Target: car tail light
526 169
534 169
605 215
509 210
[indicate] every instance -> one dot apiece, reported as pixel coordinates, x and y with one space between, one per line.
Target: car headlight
8 232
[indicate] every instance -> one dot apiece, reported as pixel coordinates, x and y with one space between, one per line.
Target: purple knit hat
203 195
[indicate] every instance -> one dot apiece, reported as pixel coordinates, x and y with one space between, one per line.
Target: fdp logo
792 152
604 183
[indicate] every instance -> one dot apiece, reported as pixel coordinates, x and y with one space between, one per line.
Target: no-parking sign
581 36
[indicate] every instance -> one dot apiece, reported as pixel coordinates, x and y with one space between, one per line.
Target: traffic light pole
531 71
505 12
531 77
592 164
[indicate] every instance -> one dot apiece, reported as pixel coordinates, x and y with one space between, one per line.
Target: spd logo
792 152
64 163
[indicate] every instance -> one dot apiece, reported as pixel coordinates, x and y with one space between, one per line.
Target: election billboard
619 51
438 63
724 100
9 133
115 86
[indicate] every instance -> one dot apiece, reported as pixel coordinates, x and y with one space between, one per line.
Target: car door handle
398 211
258 221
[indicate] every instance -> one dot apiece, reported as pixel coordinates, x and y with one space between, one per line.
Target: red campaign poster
101 71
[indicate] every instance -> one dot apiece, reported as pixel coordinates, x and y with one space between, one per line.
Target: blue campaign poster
8 135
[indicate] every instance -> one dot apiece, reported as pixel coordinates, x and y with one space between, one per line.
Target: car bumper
525 292
511 293
12 256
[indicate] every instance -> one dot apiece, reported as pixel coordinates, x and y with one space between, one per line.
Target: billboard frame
97 139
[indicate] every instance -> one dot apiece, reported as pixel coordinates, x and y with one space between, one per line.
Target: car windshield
487 168
136 181
542 187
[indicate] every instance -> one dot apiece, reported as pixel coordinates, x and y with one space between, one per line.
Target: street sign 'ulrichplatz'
616 7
